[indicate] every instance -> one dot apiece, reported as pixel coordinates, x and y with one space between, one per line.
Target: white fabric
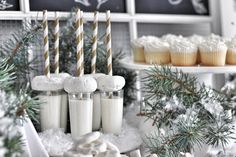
33 147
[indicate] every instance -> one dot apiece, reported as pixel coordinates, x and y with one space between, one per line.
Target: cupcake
197 39
231 52
157 52
183 53
138 47
213 52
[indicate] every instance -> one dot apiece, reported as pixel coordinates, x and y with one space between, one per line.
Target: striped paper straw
94 48
56 45
46 45
78 43
82 41
108 42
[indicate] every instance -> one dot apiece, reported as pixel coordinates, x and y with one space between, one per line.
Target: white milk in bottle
97 117
81 114
50 110
112 111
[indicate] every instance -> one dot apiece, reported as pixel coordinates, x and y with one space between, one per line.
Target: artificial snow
56 142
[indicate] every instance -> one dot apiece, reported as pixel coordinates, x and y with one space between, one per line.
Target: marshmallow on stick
46 45
56 44
78 43
94 48
108 42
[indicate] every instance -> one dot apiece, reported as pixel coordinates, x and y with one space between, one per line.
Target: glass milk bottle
64 101
50 109
50 90
80 91
112 111
64 110
97 117
81 113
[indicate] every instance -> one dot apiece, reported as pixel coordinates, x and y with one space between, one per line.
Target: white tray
198 69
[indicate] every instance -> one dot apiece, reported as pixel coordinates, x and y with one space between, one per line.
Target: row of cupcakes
211 50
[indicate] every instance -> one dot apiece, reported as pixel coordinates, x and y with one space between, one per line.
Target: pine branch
14 146
6 75
18 46
174 100
181 139
28 105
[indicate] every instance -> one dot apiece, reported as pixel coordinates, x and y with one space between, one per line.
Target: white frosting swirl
213 46
171 38
140 42
213 36
156 46
196 39
231 44
183 46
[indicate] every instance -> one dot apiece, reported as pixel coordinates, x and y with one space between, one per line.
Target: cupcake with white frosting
231 52
183 53
157 52
213 52
138 47
197 39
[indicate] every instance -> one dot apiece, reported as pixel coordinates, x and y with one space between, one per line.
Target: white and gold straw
78 43
108 42
82 41
94 48
56 44
46 45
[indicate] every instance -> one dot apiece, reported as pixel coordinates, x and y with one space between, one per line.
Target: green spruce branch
177 102
16 50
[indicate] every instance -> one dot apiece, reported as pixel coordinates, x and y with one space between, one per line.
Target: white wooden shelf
115 17
163 18
12 15
130 64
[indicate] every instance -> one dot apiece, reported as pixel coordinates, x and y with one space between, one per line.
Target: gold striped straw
78 43
82 41
56 45
108 42
94 48
46 45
